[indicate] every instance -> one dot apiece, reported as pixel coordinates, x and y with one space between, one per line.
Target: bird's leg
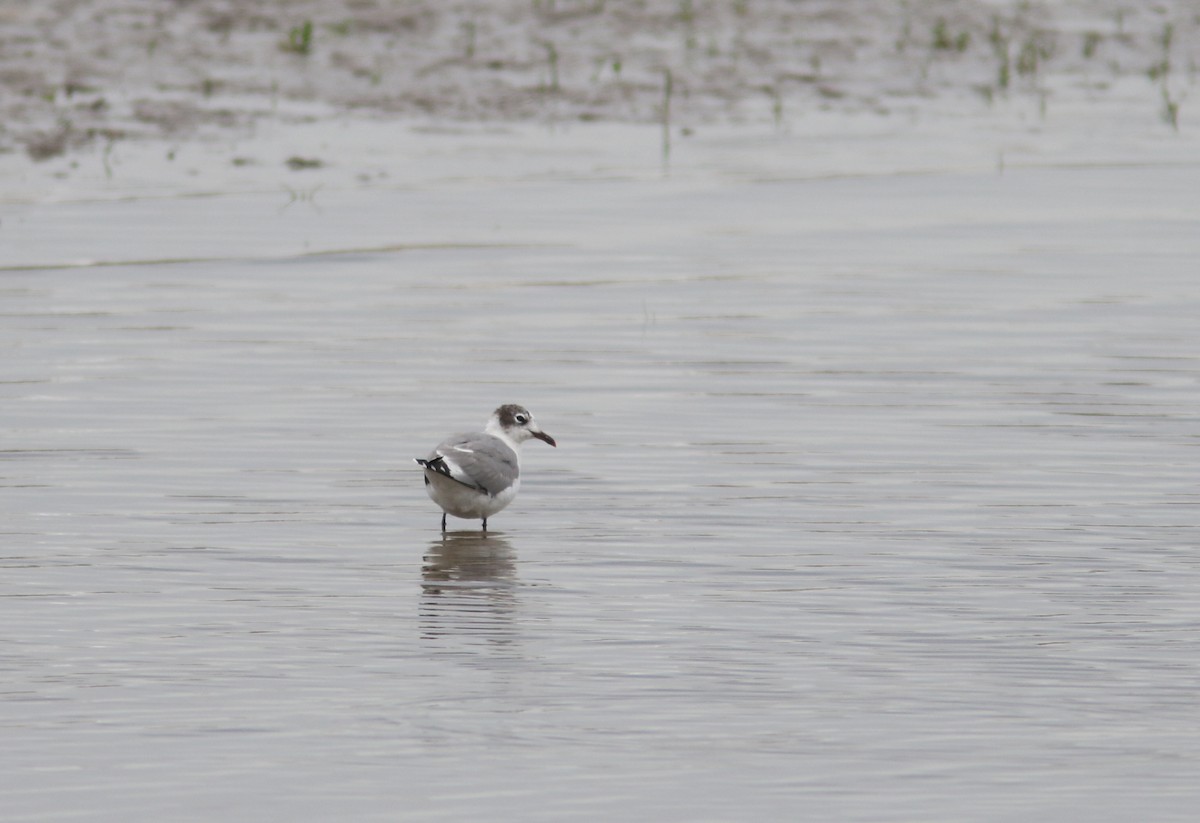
443 521
485 524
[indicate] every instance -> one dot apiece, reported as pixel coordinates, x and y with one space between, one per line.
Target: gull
477 474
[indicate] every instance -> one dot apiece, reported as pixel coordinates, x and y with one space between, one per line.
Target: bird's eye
521 419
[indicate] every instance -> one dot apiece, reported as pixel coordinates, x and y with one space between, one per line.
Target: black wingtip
437 464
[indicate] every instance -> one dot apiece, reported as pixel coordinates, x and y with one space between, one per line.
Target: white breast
465 502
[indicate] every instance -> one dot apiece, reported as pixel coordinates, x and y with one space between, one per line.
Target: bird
476 474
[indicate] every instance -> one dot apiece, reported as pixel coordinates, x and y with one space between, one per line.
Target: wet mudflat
875 500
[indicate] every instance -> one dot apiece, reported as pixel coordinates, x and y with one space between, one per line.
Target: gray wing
478 460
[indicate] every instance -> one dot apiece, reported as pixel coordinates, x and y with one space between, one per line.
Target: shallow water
875 499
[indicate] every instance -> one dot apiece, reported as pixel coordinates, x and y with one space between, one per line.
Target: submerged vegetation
1161 73
679 62
299 39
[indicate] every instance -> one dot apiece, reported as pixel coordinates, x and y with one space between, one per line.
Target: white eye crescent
521 419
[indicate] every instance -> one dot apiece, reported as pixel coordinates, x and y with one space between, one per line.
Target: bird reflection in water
469 583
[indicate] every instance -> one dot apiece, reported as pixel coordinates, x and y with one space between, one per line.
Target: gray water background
876 500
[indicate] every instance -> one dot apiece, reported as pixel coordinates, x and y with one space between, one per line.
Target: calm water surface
876 499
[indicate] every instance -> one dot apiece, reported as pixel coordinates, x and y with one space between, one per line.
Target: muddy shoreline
80 72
